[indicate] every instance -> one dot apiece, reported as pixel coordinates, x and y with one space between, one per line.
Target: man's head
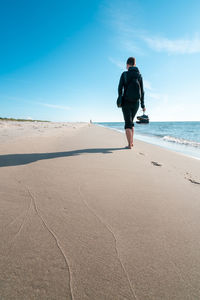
130 62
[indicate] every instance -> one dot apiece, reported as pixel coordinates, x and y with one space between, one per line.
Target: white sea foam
172 139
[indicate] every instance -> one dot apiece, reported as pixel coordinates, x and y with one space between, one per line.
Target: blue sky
61 61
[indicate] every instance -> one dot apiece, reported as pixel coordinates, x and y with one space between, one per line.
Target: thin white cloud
131 45
122 18
56 106
117 63
177 46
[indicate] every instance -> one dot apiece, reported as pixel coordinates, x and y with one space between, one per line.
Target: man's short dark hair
131 61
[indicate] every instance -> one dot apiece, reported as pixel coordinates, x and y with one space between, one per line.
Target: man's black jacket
133 72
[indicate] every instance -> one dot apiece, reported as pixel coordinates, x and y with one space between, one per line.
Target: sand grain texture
83 218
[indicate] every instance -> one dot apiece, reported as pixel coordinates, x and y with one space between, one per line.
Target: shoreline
154 141
84 218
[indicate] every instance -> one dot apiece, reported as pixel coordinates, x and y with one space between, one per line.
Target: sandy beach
83 218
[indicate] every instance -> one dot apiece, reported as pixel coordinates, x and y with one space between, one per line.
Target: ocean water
181 137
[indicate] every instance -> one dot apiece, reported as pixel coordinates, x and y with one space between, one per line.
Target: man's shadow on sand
27 158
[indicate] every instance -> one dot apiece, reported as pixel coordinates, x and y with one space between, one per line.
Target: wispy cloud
26 100
130 43
55 106
178 46
122 18
121 65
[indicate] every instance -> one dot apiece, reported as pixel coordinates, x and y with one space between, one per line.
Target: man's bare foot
128 147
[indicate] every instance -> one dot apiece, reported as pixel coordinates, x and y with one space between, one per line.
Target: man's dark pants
129 110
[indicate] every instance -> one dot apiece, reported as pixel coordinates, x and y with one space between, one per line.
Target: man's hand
144 109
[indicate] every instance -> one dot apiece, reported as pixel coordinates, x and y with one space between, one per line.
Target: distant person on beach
131 85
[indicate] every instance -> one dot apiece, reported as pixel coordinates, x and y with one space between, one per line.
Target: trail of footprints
187 175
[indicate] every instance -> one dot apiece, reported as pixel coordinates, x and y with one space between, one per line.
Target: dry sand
83 218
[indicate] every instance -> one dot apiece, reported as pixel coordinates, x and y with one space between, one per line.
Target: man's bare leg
132 136
129 137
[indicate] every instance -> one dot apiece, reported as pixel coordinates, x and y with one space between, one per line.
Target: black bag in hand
120 98
119 101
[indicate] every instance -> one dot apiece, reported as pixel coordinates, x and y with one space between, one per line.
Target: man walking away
131 84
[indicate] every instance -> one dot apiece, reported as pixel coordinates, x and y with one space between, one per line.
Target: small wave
172 139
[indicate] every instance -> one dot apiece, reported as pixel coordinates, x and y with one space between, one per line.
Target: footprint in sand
193 181
156 164
188 177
